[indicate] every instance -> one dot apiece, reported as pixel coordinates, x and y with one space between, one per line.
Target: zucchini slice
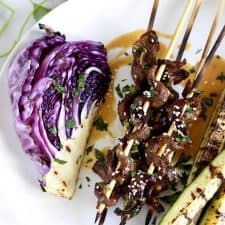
215 213
213 141
194 197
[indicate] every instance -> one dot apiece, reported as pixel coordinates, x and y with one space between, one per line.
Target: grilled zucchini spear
213 140
194 198
215 213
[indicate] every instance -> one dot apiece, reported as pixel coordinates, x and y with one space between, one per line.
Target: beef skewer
173 126
111 185
201 65
101 208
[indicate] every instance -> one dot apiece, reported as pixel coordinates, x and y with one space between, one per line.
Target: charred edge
220 214
201 193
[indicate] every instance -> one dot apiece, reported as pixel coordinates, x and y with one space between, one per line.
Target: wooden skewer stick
153 14
188 30
101 210
211 34
175 38
201 66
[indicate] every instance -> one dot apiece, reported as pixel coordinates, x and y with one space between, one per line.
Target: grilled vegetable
56 88
213 140
194 198
215 213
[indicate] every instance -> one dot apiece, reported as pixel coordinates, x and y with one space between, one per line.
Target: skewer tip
97 217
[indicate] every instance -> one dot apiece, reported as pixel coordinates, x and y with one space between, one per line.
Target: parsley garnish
80 186
207 101
188 109
134 149
88 179
126 54
218 56
130 89
60 161
52 130
70 123
182 138
100 124
198 92
133 106
119 91
59 88
133 173
81 82
153 92
137 51
192 70
221 77
99 155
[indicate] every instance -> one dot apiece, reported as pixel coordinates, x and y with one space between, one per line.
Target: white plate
86 19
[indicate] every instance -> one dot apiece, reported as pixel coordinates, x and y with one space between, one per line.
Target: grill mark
215 173
220 214
68 149
64 183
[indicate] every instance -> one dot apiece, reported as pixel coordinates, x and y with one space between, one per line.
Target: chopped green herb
192 70
188 109
119 91
137 51
60 161
221 77
89 185
74 93
99 155
198 91
130 89
39 11
218 56
81 82
134 149
126 54
153 92
198 51
146 68
59 88
52 130
42 187
207 101
89 149
70 123
133 106
80 186
61 145
100 124
123 80
183 138
133 173
88 179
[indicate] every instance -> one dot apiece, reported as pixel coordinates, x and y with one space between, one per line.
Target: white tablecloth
16 16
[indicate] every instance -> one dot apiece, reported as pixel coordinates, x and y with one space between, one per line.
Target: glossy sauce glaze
210 85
